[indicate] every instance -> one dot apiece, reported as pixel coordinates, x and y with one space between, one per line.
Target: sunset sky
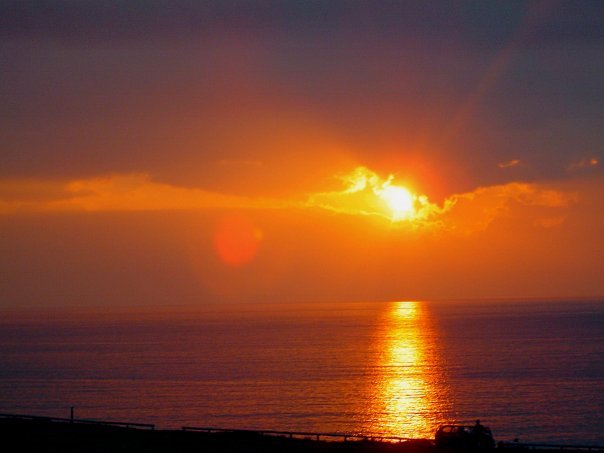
159 153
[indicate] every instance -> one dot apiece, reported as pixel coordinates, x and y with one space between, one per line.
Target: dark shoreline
43 434
46 435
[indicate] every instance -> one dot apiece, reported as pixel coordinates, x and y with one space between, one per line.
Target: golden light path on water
411 397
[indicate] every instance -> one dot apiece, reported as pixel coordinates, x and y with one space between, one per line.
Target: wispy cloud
510 164
362 192
122 192
475 211
240 163
585 162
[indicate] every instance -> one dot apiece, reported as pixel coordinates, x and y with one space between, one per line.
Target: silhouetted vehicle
465 437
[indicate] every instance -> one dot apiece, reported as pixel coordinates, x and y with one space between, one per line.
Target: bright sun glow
367 193
399 200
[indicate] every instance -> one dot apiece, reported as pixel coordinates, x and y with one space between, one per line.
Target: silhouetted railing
78 420
305 435
534 446
505 445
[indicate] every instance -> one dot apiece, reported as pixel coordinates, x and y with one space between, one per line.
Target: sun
400 201
366 193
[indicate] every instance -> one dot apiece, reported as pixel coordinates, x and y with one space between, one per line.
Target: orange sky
182 153
127 240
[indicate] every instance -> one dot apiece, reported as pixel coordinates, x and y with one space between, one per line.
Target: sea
531 370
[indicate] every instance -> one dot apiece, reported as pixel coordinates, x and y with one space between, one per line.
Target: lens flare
236 240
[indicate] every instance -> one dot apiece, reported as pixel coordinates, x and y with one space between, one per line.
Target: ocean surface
532 370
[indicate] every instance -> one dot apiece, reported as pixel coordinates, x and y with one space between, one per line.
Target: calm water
532 370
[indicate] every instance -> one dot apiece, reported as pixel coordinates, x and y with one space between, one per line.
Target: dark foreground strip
532 446
77 420
311 435
336 438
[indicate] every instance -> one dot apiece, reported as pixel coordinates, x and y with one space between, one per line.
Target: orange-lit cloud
509 163
129 192
465 213
362 192
240 163
586 162
474 211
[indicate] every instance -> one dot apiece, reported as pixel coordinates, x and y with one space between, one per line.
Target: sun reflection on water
410 394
